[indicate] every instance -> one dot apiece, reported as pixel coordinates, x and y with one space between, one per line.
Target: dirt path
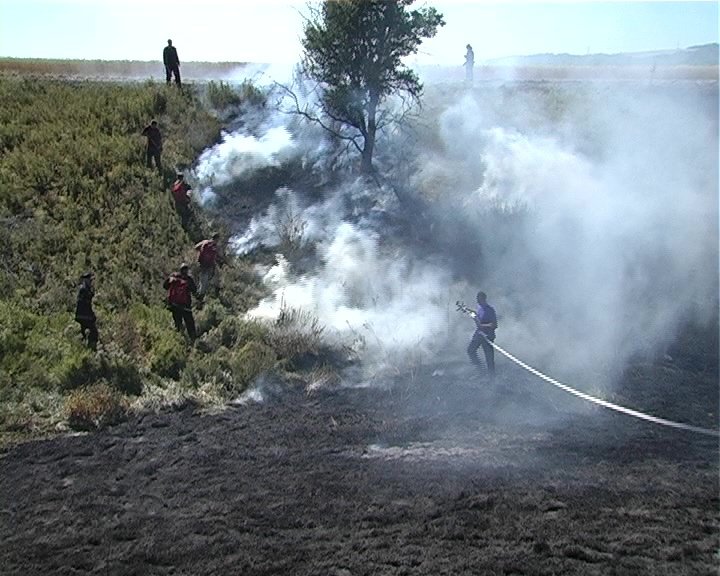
434 478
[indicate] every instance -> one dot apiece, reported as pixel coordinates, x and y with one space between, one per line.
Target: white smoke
237 154
598 228
609 253
390 302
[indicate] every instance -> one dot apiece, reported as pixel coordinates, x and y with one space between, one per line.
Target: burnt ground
440 473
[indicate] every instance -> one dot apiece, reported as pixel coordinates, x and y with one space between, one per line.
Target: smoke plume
592 211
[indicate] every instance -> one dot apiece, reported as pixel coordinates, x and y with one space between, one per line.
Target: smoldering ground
587 213
362 481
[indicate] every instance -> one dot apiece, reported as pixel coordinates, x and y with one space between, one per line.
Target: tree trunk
369 146
366 166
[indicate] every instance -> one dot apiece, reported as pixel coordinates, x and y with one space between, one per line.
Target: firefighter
208 256
181 195
485 326
181 287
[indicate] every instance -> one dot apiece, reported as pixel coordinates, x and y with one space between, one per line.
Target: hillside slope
75 195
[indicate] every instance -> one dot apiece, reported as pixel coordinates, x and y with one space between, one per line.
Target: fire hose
599 401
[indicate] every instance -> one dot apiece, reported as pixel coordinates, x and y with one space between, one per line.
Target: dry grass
95 407
114 68
597 73
221 70
295 333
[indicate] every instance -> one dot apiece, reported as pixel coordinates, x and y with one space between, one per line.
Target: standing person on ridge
469 63
172 64
154 144
208 253
84 313
486 324
180 286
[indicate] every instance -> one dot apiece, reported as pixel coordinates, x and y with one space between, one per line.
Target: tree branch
350 139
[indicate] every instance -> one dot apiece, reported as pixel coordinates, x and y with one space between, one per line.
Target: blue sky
269 30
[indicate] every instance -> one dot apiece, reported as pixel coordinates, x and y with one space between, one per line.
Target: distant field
196 71
121 69
564 73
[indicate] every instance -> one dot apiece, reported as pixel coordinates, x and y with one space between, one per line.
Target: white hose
605 403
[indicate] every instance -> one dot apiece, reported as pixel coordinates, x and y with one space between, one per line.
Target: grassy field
130 69
75 195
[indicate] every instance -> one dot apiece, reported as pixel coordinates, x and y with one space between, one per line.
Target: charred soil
441 473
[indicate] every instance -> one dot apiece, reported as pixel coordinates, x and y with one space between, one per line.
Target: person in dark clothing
154 144
181 286
469 63
486 324
172 63
181 195
84 313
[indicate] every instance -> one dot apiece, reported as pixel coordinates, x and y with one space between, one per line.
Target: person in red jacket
181 195
208 254
181 286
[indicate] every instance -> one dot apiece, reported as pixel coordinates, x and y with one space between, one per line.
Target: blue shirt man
486 324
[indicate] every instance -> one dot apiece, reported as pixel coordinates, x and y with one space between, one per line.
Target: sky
269 31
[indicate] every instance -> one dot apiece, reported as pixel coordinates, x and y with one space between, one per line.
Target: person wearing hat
208 254
154 144
172 63
181 195
181 286
84 313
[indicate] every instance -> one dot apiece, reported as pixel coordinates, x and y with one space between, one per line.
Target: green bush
223 96
169 356
163 349
230 370
235 332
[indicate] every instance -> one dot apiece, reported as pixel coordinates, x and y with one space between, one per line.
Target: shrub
120 370
235 332
95 407
295 334
77 370
249 362
168 355
163 348
290 228
223 96
230 370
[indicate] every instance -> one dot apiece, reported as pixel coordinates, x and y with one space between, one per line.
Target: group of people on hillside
180 286
180 189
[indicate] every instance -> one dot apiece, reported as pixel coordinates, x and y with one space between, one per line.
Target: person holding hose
485 326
